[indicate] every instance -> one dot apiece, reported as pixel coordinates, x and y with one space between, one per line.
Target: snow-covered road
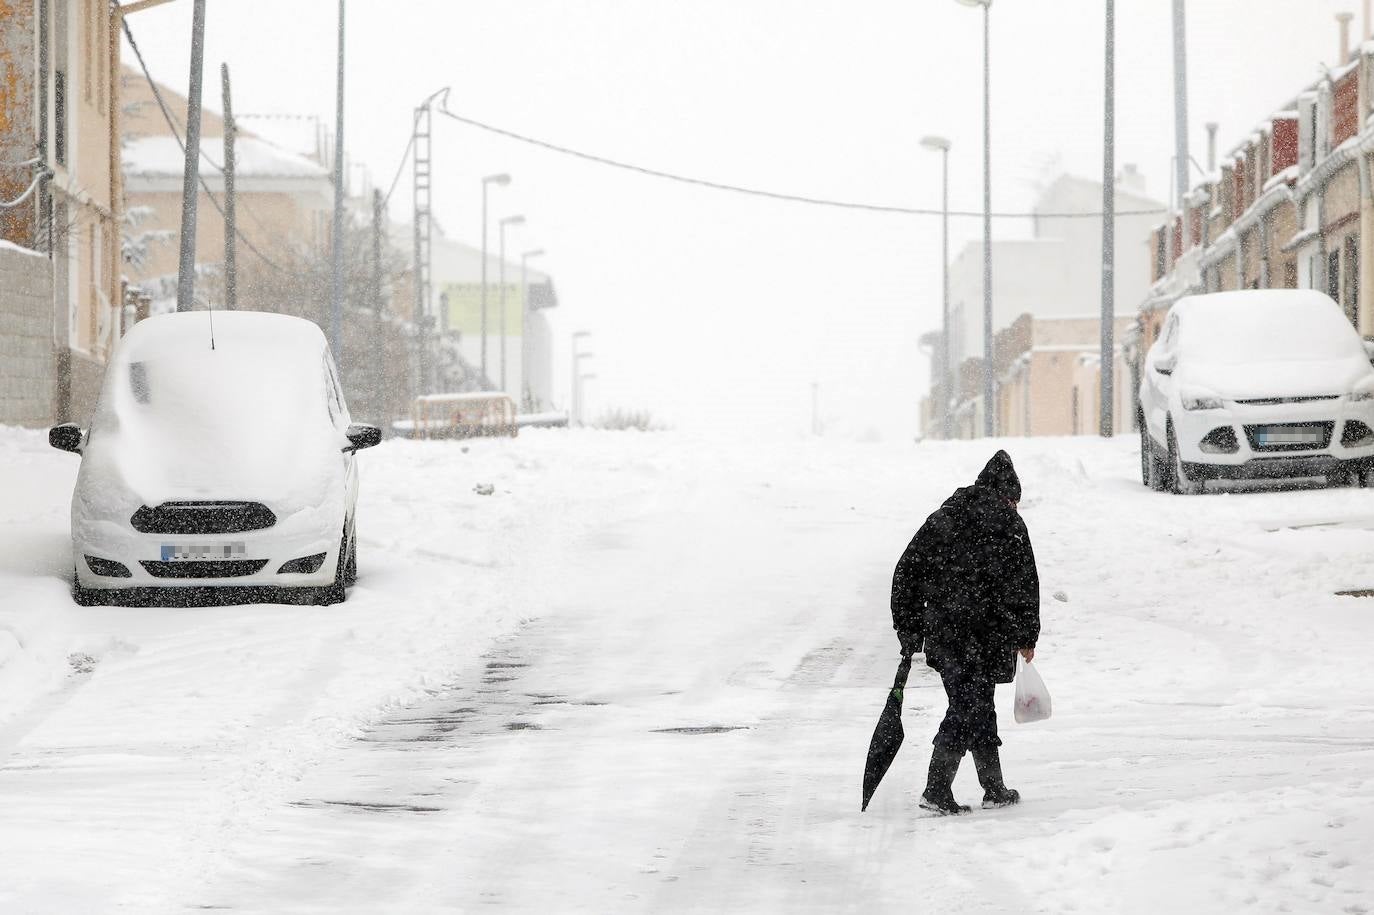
642 676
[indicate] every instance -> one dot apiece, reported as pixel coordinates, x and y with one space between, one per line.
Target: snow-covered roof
257 330
19 249
162 157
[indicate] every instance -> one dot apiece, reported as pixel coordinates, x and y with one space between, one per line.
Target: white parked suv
1255 384
216 465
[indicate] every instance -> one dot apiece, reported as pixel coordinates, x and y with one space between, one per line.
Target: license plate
1289 435
172 552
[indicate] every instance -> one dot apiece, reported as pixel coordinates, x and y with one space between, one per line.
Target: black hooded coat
966 589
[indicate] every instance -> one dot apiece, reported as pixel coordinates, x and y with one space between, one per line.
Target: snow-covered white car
216 464
1255 384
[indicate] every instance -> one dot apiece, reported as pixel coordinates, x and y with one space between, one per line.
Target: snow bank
1212 721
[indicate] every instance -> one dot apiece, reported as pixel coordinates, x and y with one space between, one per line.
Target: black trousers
971 720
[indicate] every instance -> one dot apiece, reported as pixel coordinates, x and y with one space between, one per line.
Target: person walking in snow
966 592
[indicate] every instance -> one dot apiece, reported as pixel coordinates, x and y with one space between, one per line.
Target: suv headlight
1200 400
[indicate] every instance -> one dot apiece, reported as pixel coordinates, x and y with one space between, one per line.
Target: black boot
939 794
995 792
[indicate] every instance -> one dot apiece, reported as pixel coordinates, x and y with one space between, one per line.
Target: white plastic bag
1032 698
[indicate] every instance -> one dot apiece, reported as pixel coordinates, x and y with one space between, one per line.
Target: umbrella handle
903 671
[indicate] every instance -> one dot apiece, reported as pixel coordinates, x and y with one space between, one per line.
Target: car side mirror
361 435
1164 365
66 437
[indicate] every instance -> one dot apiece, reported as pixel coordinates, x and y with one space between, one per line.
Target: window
1351 302
1333 275
333 398
59 96
1290 275
88 34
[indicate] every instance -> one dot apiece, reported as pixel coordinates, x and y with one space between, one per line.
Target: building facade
59 176
1290 206
1046 293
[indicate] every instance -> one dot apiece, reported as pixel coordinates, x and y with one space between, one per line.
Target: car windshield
225 394
1260 331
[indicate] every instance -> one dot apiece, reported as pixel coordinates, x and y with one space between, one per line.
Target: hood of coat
1000 477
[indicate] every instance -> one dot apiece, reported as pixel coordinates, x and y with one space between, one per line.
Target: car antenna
210 304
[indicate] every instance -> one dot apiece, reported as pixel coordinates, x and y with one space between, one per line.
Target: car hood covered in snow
1255 344
248 420
1260 380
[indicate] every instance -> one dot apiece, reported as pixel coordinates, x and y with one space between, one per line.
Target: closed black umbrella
887 736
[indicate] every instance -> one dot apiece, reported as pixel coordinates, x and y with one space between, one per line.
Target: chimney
1212 146
1344 20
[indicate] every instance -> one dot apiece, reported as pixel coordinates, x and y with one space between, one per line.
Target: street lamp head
937 143
501 179
513 221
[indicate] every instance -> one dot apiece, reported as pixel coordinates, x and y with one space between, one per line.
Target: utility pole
421 188
989 405
231 278
186 266
989 398
527 393
378 231
501 273
502 180
1181 159
377 365
1107 368
573 406
337 296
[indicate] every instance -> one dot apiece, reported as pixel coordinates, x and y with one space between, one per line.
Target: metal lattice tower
423 217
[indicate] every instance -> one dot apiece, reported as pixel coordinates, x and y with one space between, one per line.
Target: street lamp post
336 296
1107 359
941 145
502 180
526 391
572 390
501 274
577 382
582 379
989 408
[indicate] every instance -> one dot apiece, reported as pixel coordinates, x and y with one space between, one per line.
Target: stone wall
27 361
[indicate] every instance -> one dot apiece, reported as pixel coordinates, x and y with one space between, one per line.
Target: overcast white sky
711 308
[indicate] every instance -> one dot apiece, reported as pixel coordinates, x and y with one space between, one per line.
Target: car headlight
1197 401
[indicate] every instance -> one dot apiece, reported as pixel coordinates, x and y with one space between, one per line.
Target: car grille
203 518
1272 401
1322 428
211 568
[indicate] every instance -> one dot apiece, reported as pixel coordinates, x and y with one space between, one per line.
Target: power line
404 156
171 125
771 195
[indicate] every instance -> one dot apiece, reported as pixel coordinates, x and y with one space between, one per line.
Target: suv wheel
1179 484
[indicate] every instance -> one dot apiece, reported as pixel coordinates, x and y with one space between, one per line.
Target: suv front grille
1322 438
1272 401
203 518
209 568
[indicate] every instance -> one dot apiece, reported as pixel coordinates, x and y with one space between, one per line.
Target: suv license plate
1289 435
172 552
